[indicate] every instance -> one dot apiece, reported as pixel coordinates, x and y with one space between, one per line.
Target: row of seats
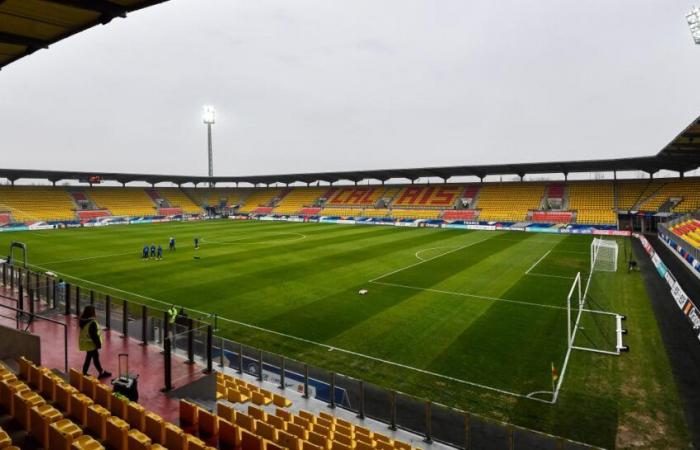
237 390
301 431
689 231
552 216
85 414
460 214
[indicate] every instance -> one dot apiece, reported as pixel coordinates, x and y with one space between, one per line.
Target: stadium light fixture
208 114
693 18
209 118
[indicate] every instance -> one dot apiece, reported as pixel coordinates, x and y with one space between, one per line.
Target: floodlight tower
209 118
693 18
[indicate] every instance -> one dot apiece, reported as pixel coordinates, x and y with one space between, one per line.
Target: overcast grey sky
320 85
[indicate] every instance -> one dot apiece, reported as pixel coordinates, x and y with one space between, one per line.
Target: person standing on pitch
171 244
196 243
90 341
160 252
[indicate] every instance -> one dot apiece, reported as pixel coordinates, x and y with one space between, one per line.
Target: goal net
603 255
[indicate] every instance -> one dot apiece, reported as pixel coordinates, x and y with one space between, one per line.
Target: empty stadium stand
509 201
35 203
356 196
594 202
678 196
263 197
299 198
427 196
123 201
176 198
583 202
216 197
631 193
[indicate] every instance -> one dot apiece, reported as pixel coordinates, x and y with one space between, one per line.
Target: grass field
468 319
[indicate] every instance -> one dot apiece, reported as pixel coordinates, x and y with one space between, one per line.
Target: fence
192 336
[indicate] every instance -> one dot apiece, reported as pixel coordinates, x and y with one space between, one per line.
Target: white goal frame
604 255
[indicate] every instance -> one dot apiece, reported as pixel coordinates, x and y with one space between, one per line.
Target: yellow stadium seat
117 431
40 417
154 427
136 440
62 433
86 442
97 421
136 416
228 435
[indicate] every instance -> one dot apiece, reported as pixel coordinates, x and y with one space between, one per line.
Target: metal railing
196 337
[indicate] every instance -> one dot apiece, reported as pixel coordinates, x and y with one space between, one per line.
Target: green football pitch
470 319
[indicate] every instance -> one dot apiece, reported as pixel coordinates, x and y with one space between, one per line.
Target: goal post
604 255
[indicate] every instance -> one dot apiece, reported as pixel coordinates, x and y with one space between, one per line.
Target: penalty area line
463 294
429 259
318 344
537 262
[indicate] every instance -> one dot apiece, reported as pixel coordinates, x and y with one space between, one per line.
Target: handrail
33 316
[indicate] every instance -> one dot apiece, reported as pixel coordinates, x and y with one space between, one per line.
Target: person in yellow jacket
90 341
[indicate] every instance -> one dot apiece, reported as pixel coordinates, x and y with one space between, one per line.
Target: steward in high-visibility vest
172 314
88 333
90 341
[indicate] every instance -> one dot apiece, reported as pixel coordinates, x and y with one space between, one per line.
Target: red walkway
146 361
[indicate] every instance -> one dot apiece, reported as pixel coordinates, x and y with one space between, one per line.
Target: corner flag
555 377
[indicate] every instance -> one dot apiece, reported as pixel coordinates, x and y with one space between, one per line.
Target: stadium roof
29 25
682 154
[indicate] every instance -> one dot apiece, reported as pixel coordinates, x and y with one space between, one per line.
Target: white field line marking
537 262
549 276
298 237
426 260
532 395
573 337
419 252
570 251
90 258
463 294
308 341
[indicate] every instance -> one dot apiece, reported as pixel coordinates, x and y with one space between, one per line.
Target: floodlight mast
209 118
693 18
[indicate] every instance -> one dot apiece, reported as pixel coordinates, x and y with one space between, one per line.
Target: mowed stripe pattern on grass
302 280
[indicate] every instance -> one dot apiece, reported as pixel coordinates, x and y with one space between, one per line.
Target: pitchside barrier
193 337
686 305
